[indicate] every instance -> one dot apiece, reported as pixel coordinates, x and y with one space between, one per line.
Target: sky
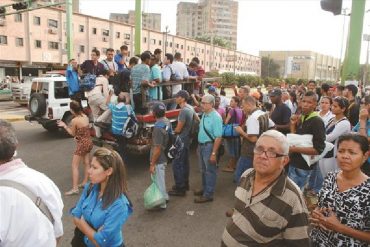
262 24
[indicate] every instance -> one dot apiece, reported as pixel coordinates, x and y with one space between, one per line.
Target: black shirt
88 67
281 116
353 112
315 127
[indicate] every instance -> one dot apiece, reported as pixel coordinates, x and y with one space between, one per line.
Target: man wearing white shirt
180 68
109 63
40 185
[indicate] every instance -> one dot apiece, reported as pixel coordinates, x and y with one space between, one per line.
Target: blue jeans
160 175
209 171
180 168
243 164
299 176
316 180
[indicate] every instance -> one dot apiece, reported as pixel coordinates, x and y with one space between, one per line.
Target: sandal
72 192
80 186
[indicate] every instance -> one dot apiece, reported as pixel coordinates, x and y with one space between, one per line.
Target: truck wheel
37 105
51 128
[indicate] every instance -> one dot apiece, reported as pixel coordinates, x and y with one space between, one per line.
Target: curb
13 118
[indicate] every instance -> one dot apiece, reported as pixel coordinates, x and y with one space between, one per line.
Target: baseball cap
211 89
159 108
275 92
183 94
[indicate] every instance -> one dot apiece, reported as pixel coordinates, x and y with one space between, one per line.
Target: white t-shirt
182 71
40 185
21 222
253 125
110 65
225 102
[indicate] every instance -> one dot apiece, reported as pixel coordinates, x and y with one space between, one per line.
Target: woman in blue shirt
103 207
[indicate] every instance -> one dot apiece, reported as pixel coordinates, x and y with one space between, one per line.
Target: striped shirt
119 116
277 216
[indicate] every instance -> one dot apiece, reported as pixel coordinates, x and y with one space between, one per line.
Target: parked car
21 92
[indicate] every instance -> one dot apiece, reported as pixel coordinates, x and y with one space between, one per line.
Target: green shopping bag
153 197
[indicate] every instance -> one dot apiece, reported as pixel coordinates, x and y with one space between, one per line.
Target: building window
52 23
188 48
94 30
160 42
3 40
53 45
177 45
18 17
152 41
170 44
144 39
182 47
105 32
37 43
118 35
36 21
19 41
82 48
81 28
127 36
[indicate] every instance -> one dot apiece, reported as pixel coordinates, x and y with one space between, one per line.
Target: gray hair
280 138
209 99
8 140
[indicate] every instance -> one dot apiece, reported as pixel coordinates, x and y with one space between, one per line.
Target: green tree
269 68
216 40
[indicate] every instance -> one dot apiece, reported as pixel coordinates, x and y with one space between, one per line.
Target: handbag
78 236
228 130
221 148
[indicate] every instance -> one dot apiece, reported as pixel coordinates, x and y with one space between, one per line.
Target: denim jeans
180 168
243 164
299 176
208 170
160 175
316 180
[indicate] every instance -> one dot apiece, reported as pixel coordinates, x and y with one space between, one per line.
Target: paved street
52 154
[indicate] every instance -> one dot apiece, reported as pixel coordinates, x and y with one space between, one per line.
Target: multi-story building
150 21
210 18
35 41
305 64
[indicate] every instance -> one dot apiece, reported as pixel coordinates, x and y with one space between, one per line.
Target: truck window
61 90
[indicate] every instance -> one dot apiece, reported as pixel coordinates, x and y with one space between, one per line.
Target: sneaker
177 192
186 187
198 192
72 192
203 199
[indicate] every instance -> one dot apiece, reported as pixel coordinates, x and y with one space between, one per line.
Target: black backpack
174 145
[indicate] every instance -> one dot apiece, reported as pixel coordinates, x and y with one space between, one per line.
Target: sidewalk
12 118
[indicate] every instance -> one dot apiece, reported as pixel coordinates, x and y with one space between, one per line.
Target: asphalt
12 111
182 224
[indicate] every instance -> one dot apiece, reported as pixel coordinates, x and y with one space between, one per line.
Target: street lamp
344 13
165 39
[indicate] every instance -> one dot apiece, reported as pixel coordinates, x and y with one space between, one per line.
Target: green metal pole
69 29
138 16
351 65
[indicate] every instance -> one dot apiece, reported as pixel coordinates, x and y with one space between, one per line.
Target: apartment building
35 41
150 21
217 18
305 64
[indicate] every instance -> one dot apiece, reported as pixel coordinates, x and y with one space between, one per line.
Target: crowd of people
284 146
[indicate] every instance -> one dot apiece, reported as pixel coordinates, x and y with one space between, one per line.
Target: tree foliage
216 40
269 68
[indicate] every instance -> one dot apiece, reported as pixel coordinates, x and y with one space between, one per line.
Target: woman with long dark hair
342 217
80 129
103 207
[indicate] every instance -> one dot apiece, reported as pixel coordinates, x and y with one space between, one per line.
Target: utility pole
138 19
165 39
351 63
69 29
366 69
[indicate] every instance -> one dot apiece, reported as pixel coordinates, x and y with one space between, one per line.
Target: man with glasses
209 139
269 209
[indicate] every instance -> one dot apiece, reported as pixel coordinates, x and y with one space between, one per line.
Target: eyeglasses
268 153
